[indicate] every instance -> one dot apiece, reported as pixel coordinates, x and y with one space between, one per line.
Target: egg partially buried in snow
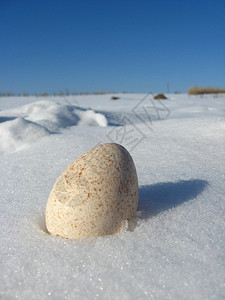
94 195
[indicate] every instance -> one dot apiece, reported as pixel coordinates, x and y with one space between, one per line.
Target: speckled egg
94 195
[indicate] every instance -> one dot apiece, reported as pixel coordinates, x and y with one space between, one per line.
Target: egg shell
94 195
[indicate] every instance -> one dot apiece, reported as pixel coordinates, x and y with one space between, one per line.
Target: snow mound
24 125
91 118
54 116
17 134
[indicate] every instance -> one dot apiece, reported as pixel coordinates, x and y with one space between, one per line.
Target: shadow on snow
162 196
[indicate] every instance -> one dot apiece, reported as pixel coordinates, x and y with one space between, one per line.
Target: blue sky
92 45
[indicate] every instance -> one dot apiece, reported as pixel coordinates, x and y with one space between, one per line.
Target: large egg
94 195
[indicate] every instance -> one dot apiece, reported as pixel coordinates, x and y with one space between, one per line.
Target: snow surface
174 249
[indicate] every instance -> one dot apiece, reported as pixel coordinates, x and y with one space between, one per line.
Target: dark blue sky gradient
134 46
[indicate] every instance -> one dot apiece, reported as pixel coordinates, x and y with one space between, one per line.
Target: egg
94 195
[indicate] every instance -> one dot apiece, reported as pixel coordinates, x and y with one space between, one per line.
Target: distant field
194 90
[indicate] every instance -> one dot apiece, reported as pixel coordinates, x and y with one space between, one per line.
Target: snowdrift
24 125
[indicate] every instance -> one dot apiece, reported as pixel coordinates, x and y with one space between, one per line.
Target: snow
16 134
26 124
174 249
